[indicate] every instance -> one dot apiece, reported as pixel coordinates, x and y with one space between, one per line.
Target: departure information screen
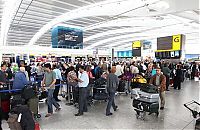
164 43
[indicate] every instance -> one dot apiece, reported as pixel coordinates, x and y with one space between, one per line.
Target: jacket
162 82
20 80
112 83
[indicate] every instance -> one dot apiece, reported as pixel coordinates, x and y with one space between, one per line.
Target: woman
128 76
72 82
89 72
178 77
112 83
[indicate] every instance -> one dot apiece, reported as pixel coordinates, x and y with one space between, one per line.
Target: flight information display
164 43
168 55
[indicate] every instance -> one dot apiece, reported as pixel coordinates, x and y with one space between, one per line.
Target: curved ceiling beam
106 8
129 35
143 24
8 13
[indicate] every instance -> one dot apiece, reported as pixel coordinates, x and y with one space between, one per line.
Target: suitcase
100 94
150 96
5 105
149 88
121 87
146 105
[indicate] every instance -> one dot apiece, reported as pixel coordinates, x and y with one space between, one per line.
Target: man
119 69
20 79
166 71
98 71
58 81
83 81
159 80
48 82
2 81
112 83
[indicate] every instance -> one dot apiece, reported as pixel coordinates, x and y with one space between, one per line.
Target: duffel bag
149 88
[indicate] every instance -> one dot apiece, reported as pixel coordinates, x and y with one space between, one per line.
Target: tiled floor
175 116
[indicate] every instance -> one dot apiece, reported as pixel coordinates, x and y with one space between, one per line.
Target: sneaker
116 108
78 114
48 115
58 109
161 108
109 114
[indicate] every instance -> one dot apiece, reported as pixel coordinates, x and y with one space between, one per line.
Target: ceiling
106 23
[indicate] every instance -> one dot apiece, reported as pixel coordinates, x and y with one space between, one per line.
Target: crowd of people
81 74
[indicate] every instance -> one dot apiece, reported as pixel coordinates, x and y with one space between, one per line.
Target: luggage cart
195 113
143 104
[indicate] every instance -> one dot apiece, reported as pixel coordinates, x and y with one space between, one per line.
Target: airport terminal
99 64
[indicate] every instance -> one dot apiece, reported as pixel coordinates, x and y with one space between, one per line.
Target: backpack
13 122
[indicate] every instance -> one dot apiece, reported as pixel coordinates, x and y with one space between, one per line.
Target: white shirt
84 77
119 70
134 69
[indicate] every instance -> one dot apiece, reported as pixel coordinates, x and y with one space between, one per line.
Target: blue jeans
51 101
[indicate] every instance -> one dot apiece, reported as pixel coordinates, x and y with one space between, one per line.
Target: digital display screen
176 54
172 53
136 52
66 37
164 43
167 53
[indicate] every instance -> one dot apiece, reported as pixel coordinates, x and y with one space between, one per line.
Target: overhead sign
170 43
176 43
136 44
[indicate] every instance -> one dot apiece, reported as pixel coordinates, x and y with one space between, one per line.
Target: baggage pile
20 107
145 100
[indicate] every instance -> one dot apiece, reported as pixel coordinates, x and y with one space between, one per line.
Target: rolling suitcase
121 87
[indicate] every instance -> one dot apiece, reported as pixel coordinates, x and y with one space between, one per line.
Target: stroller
195 114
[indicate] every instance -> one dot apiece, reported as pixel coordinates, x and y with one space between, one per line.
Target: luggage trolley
145 102
194 112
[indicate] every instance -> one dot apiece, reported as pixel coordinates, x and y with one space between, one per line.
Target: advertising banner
65 37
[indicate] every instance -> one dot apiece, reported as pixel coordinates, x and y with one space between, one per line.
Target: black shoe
109 114
78 114
116 108
167 90
161 108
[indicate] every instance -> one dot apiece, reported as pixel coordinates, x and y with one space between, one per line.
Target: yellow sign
136 44
163 50
176 43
